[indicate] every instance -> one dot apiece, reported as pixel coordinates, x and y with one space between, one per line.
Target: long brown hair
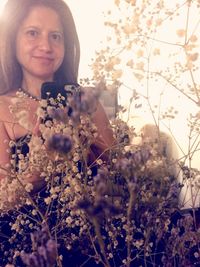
14 13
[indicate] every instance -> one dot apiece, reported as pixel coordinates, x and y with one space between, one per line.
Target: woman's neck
32 87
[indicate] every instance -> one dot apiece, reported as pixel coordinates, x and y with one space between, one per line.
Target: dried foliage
122 208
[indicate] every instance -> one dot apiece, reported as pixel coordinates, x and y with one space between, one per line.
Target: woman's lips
42 59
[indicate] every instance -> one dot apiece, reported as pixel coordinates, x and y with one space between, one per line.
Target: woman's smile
44 60
40 44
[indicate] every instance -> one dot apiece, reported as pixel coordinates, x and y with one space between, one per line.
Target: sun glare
2 3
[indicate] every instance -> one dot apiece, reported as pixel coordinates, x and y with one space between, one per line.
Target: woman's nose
45 44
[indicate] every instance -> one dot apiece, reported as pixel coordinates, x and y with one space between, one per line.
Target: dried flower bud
60 143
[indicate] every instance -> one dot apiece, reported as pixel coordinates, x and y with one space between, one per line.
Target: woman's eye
57 37
32 33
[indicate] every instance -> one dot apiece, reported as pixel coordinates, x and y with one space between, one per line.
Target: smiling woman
68 187
33 50
38 44
40 47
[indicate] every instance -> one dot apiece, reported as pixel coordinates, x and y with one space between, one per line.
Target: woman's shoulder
5 102
8 96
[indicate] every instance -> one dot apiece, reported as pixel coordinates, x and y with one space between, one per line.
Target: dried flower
60 143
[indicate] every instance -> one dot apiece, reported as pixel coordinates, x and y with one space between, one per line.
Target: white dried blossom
47 200
28 187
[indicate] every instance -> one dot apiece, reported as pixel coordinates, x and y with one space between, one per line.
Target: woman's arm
105 139
5 162
4 151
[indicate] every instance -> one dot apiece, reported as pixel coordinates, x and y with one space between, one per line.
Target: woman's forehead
40 15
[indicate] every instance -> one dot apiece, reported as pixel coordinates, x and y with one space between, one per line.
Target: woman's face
40 44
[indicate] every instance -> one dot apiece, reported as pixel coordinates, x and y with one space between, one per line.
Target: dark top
10 240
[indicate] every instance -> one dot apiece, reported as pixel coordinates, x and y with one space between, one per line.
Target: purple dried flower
31 260
88 101
75 115
100 181
98 207
84 101
58 114
61 143
141 156
51 246
41 257
123 164
44 250
173 191
137 157
86 205
145 154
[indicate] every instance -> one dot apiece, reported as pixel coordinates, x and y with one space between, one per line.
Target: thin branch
178 89
187 22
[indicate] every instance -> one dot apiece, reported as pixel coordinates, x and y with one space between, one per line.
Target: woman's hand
105 139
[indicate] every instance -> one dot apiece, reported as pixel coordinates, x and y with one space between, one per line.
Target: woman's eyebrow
30 27
38 27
